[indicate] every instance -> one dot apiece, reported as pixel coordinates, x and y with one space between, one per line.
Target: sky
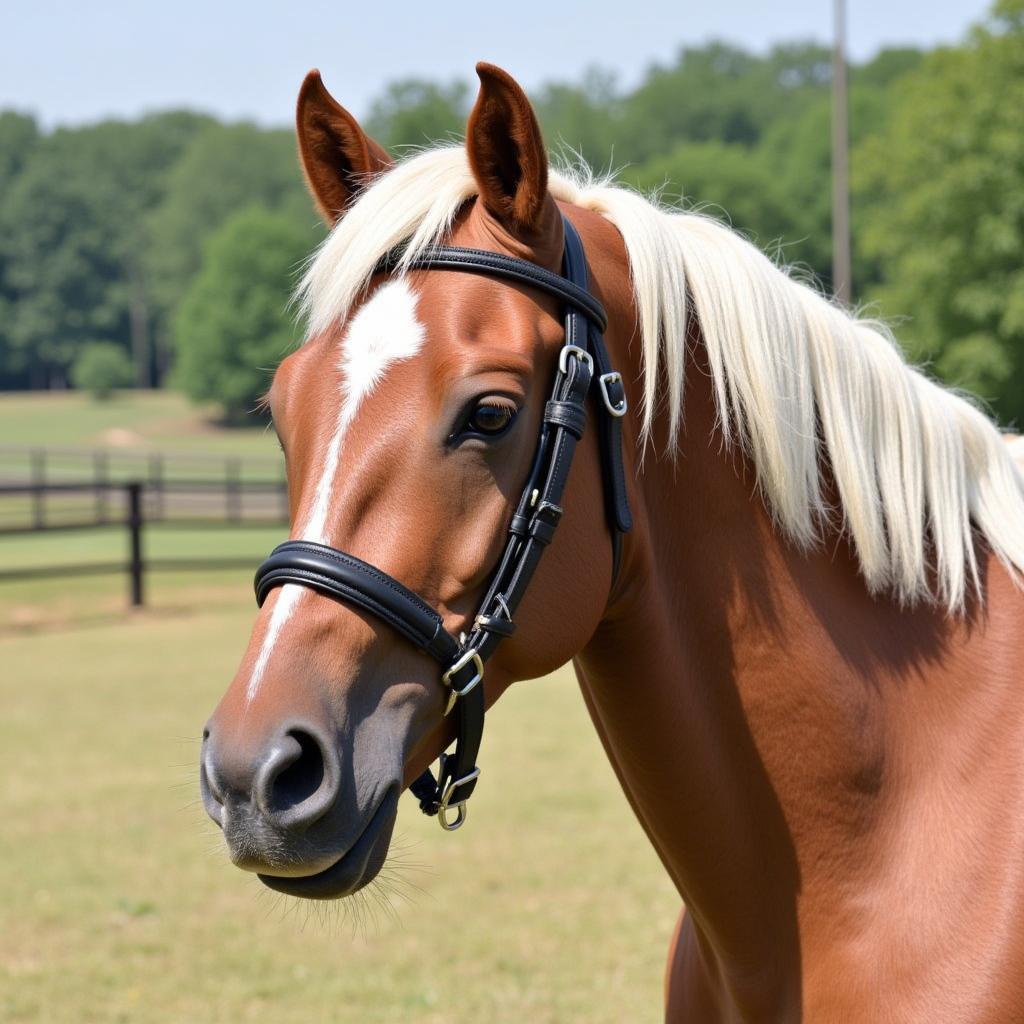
74 62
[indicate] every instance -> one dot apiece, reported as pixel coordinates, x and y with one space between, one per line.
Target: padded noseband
582 360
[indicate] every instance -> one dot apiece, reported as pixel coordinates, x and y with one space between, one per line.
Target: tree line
162 251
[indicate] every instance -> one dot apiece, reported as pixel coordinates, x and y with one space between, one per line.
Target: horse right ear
338 157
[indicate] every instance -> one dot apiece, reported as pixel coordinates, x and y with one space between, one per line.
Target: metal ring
460 806
612 378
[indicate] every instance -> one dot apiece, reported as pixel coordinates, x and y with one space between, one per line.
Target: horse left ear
337 156
506 152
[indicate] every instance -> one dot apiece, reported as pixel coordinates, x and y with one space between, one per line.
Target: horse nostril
299 781
303 777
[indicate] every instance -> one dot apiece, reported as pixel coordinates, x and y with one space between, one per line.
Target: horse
803 660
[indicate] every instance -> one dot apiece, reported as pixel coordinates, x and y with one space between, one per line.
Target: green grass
160 541
131 420
118 904
43 602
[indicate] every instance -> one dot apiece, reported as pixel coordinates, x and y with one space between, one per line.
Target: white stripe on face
385 331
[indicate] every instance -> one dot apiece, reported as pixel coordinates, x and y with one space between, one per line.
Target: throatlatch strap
610 390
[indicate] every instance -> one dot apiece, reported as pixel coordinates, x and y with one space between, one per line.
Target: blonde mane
798 382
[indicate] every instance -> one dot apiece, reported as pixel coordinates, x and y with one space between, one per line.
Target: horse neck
664 679
741 689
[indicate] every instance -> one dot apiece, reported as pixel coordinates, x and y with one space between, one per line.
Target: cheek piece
583 369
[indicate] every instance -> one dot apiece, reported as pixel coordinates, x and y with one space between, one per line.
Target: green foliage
581 120
721 93
101 367
415 112
946 185
224 169
19 134
725 180
232 326
72 238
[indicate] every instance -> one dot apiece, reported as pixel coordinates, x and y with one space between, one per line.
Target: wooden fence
46 490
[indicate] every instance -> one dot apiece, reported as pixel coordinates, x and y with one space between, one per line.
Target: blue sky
73 62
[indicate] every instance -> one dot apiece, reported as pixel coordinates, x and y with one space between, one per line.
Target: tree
947 220
71 241
582 120
19 134
720 93
224 169
18 137
101 367
730 182
233 325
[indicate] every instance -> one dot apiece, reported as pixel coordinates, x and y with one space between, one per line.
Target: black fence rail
37 507
230 501
21 464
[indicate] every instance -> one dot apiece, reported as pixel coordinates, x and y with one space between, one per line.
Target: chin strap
582 361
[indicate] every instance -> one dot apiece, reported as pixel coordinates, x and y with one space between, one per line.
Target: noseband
582 359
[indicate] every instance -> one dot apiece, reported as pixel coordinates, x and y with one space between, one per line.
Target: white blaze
385 331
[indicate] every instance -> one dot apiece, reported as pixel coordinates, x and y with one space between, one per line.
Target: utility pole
841 283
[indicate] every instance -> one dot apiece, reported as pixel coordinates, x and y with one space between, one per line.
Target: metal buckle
614 377
580 353
459 806
504 626
457 665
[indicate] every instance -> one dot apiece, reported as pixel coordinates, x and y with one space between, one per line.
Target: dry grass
118 905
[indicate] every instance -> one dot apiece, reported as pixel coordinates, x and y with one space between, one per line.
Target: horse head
409 420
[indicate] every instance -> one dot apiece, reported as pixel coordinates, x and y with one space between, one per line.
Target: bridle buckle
580 353
616 409
445 804
468 657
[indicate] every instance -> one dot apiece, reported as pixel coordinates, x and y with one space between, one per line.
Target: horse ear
506 152
337 155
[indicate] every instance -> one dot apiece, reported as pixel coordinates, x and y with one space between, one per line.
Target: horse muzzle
287 815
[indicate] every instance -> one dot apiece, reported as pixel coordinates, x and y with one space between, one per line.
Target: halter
353 581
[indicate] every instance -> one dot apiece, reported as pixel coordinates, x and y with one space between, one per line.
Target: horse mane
800 384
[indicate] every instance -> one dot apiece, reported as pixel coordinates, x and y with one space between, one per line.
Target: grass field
118 904
129 420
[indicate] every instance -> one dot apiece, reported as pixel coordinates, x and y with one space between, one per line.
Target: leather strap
480 261
582 360
349 579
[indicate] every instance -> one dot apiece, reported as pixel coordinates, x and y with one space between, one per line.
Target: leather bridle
582 360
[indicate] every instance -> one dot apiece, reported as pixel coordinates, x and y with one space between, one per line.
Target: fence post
101 479
285 509
233 489
38 478
156 483
135 564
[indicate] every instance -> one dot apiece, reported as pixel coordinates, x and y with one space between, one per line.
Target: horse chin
357 867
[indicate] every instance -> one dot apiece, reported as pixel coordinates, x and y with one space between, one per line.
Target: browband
582 359
480 261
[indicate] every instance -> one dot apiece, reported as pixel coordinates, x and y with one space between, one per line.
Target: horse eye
490 418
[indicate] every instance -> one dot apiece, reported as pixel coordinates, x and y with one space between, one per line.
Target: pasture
119 904
129 420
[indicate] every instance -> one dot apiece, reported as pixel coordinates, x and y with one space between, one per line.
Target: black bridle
582 360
